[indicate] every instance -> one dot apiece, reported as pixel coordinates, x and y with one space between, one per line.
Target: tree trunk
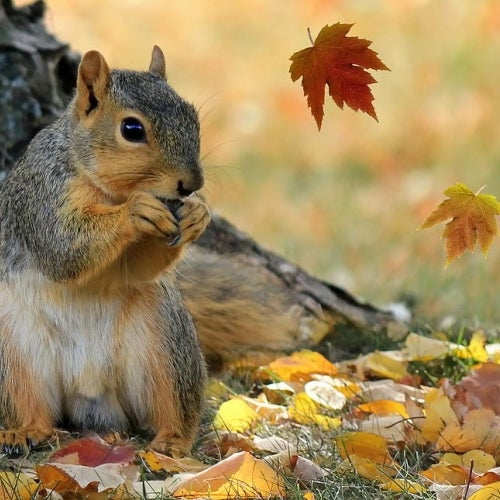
37 76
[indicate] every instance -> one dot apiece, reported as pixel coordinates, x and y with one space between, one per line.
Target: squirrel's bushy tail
233 308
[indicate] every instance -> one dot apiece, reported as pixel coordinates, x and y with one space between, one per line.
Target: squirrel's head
133 131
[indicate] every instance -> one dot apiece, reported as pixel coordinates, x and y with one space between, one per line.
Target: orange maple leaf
472 219
340 62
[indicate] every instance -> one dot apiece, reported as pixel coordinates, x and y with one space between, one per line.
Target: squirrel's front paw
150 216
193 217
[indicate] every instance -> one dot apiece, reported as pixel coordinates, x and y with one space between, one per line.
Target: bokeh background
344 203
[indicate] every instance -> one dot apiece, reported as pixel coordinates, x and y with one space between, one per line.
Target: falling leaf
239 476
472 220
341 62
235 415
301 365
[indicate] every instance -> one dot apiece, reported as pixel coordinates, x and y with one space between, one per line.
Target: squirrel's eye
133 130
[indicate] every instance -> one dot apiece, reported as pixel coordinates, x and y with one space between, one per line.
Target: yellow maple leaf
472 219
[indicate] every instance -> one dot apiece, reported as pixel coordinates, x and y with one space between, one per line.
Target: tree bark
37 76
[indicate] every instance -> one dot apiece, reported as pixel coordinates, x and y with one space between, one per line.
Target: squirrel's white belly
72 341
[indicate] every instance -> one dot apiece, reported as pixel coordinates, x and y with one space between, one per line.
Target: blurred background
344 203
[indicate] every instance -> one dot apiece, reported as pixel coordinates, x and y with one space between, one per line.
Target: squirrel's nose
186 189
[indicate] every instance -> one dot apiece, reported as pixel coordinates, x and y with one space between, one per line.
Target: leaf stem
310 36
480 189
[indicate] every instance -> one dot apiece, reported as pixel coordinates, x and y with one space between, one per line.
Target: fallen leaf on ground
235 415
241 475
306 470
93 451
488 492
305 410
384 407
421 348
16 486
478 459
299 366
325 394
447 474
480 430
363 444
387 364
403 486
273 413
438 414
480 389
393 428
374 471
157 461
69 477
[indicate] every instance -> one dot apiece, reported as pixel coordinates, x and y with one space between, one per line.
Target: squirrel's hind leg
25 409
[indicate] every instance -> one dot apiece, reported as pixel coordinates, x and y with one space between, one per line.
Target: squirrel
105 322
95 215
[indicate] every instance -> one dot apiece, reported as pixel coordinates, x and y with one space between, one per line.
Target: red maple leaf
339 61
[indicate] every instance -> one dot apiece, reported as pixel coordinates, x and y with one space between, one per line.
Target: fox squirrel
94 218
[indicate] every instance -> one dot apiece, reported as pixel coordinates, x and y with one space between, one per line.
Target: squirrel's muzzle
185 188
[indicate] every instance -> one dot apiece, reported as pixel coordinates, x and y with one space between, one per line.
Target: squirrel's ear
157 64
92 82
